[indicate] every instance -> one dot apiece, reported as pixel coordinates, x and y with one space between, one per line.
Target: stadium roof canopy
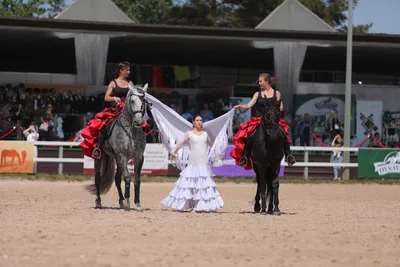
50 43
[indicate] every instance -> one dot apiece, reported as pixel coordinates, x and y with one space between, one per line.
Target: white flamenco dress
195 188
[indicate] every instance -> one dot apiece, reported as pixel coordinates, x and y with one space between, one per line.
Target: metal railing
305 164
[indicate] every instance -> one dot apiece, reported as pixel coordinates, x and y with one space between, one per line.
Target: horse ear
145 87
131 88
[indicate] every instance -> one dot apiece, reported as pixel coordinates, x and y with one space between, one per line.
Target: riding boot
243 158
290 159
96 154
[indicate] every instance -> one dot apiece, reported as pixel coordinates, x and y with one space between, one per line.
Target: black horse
267 153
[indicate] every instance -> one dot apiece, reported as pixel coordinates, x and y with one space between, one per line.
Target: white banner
155 161
369 119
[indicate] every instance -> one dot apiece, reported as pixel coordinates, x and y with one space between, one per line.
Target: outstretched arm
334 140
179 144
252 102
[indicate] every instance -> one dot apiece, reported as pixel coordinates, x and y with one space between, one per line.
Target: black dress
268 103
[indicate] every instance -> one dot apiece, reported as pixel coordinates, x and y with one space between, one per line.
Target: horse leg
275 190
97 181
270 191
257 206
127 178
136 182
263 189
118 179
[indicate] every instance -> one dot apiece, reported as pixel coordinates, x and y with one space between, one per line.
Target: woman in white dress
195 188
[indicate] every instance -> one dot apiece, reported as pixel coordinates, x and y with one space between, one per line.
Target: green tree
202 13
31 8
146 11
249 13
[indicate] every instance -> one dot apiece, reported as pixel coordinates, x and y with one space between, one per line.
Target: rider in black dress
116 92
274 105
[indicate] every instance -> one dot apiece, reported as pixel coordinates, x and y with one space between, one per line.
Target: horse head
136 105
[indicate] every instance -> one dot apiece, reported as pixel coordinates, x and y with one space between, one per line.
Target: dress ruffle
243 133
195 189
91 132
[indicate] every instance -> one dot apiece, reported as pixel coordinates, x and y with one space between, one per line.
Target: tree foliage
227 13
31 8
249 13
146 11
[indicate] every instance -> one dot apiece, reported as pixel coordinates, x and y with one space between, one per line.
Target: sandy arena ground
54 224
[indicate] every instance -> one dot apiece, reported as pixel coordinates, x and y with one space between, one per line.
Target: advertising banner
229 168
155 161
378 163
369 119
17 156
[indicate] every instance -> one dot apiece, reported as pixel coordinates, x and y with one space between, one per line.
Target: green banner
378 163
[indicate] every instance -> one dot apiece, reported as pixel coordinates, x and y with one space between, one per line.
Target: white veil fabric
172 128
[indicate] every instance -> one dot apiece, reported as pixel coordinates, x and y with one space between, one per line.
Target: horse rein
142 110
145 103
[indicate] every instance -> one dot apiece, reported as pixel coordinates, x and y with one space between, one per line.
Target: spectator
305 130
5 117
188 116
206 114
31 134
334 125
337 157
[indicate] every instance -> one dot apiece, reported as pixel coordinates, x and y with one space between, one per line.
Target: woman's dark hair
121 66
194 117
266 77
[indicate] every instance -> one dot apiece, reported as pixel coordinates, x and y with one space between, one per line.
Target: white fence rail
305 164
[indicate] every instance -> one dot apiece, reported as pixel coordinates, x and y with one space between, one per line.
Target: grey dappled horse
124 140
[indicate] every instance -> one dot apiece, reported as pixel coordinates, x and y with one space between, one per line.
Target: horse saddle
110 126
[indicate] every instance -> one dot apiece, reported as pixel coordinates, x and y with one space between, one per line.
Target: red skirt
245 130
91 132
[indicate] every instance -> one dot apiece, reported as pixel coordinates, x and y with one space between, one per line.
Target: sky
382 13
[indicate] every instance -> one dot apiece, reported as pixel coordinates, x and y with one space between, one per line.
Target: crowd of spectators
60 116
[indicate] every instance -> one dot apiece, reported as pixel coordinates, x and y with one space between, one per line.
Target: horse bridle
132 113
145 103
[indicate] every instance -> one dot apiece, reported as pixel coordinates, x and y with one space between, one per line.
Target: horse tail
107 167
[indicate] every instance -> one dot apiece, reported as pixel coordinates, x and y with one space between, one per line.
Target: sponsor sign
378 163
369 119
17 157
155 161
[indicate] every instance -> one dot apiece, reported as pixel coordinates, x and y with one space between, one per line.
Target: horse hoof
121 204
277 213
257 208
263 212
126 204
138 207
98 206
